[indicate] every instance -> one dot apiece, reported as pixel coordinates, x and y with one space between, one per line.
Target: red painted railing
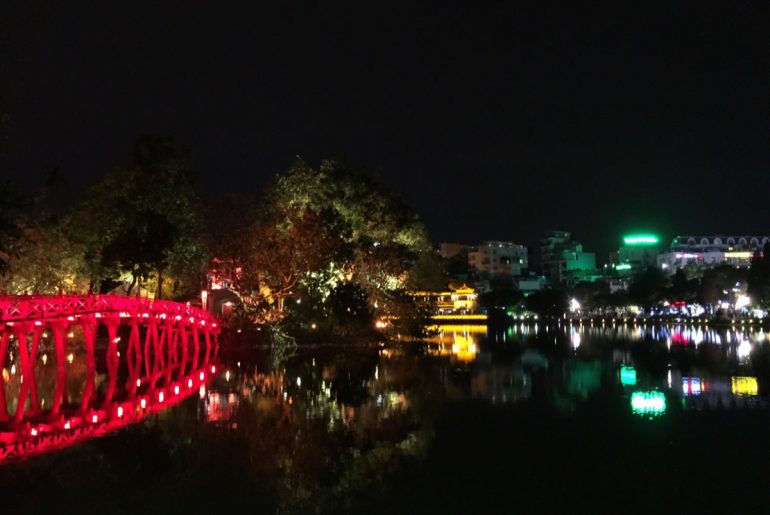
167 355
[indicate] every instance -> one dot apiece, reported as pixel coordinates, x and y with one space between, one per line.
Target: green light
650 403
627 376
623 266
641 239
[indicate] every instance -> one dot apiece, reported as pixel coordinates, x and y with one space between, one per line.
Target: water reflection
565 364
340 429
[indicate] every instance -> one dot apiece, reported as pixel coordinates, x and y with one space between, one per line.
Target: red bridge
166 357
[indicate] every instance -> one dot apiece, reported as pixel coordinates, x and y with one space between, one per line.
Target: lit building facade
462 300
564 261
499 258
709 251
638 252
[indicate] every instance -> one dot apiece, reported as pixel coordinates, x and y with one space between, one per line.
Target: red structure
166 357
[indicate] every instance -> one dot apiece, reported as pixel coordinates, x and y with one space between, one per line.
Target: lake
527 418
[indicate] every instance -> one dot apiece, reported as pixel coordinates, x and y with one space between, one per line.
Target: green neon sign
641 239
627 376
651 403
623 266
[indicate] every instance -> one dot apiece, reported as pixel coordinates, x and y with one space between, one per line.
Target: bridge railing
20 308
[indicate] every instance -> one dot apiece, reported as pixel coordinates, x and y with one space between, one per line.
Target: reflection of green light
627 376
650 403
623 266
641 239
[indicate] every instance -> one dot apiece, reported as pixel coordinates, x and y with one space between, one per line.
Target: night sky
497 121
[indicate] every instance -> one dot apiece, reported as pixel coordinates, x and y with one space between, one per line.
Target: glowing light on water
627 376
744 386
744 350
650 403
691 386
576 339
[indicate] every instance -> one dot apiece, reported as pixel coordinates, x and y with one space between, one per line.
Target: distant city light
641 239
648 403
739 254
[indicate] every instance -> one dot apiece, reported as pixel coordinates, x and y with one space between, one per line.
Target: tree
385 236
759 277
141 222
277 253
682 288
44 260
373 240
648 287
551 303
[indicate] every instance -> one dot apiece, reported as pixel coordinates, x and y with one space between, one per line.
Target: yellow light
739 254
459 317
743 385
70 357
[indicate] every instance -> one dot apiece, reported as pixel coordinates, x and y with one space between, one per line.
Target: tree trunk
133 283
159 289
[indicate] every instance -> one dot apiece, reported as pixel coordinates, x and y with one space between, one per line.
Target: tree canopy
141 222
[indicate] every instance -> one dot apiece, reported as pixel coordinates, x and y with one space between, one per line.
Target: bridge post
27 371
150 337
59 328
207 335
112 322
134 357
89 325
170 343
4 336
184 336
36 334
196 347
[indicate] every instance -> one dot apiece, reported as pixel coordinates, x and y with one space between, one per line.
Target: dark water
552 420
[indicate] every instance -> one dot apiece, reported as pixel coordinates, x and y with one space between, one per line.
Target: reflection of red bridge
167 356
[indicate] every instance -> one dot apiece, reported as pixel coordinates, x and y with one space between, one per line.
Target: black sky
497 120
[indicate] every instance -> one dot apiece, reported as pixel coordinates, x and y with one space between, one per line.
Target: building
638 252
461 300
709 251
499 258
449 250
530 283
564 261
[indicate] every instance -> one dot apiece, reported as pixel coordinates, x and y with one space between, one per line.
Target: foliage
501 298
759 277
277 252
321 230
551 303
142 220
649 287
44 260
717 284
345 312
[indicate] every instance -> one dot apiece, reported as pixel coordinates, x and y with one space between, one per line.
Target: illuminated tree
44 260
383 236
141 222
277 252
